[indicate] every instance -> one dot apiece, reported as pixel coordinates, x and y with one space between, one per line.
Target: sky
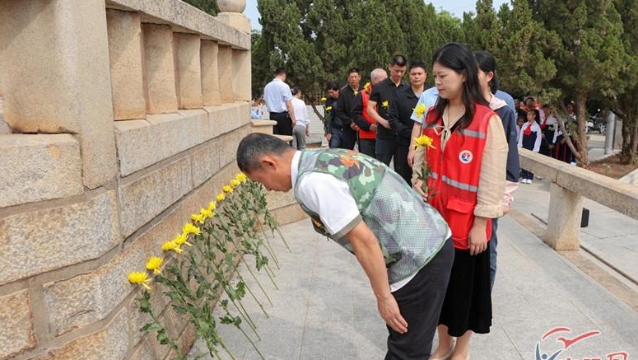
455 7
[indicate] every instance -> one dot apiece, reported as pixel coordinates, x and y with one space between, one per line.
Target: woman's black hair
332 86
487 63
536 113
460 59
295 91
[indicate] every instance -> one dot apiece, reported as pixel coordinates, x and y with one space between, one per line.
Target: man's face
570 108
417 76
354 79
333 93
396 72
271 177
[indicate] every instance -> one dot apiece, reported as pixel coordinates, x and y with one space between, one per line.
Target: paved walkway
324 307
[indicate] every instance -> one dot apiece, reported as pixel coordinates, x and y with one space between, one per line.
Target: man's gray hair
255 145
376 73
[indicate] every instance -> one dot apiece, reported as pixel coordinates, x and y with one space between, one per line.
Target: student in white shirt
302 127
530 139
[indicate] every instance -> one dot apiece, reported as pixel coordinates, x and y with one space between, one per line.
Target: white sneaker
525 181
529 181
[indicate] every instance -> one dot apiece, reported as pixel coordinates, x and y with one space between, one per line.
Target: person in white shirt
530 139
279 103
302 128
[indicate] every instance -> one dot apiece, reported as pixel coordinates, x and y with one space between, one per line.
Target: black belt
279 113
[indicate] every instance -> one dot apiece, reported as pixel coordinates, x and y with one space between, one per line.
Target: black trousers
420 302
366 146
401 162
384 150
284 123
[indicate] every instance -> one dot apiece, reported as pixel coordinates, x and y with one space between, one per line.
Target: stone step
263 126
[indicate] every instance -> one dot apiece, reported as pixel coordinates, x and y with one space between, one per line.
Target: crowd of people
425 232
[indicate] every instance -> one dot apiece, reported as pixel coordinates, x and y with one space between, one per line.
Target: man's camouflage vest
410 232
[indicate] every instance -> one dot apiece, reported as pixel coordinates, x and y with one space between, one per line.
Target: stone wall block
241 75
146 197
16 332
110 343
82 300
278 199
160 68
225 71
188 71
125 53
58 55
210 73
289 214
205 163
39 167
563 227
41 240
137 140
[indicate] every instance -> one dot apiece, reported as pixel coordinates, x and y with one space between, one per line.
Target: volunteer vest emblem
466 156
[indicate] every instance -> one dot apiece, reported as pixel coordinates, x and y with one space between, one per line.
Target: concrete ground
324 307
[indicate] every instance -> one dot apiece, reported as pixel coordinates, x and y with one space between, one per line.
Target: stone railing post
225 71
125 51
60 80
563 224
210 73
159 69
188 71
230 12
242 77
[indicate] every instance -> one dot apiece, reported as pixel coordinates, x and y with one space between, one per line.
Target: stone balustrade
569 184
118 119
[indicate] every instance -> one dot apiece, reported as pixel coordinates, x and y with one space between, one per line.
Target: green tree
589 56
207 6
523 67
483 30
627 100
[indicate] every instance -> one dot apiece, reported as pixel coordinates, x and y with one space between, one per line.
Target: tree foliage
207 6
582 50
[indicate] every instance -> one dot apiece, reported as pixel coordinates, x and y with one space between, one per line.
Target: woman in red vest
466 179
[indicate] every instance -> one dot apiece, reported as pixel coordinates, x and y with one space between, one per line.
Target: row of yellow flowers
154 264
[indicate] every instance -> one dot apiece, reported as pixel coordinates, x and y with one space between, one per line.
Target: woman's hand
478 236
418 187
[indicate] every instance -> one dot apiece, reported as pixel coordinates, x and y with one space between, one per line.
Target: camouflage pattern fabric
410 231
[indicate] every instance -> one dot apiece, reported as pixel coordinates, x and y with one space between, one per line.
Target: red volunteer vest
363 134
455 172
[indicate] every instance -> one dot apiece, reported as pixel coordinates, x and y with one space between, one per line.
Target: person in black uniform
344 130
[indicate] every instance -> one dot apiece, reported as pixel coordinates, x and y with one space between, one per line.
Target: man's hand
478 237
368 252
411 152
354 127
373 127
328 137
389 310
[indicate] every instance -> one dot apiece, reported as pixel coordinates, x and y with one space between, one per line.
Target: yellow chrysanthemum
139 278
241 177
423 140
191 229
221 197
323 99
356 92
227 189
235 183
207 214
154 264
385 104
172 245
198 218
420 109
181 239
212 205
328 108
